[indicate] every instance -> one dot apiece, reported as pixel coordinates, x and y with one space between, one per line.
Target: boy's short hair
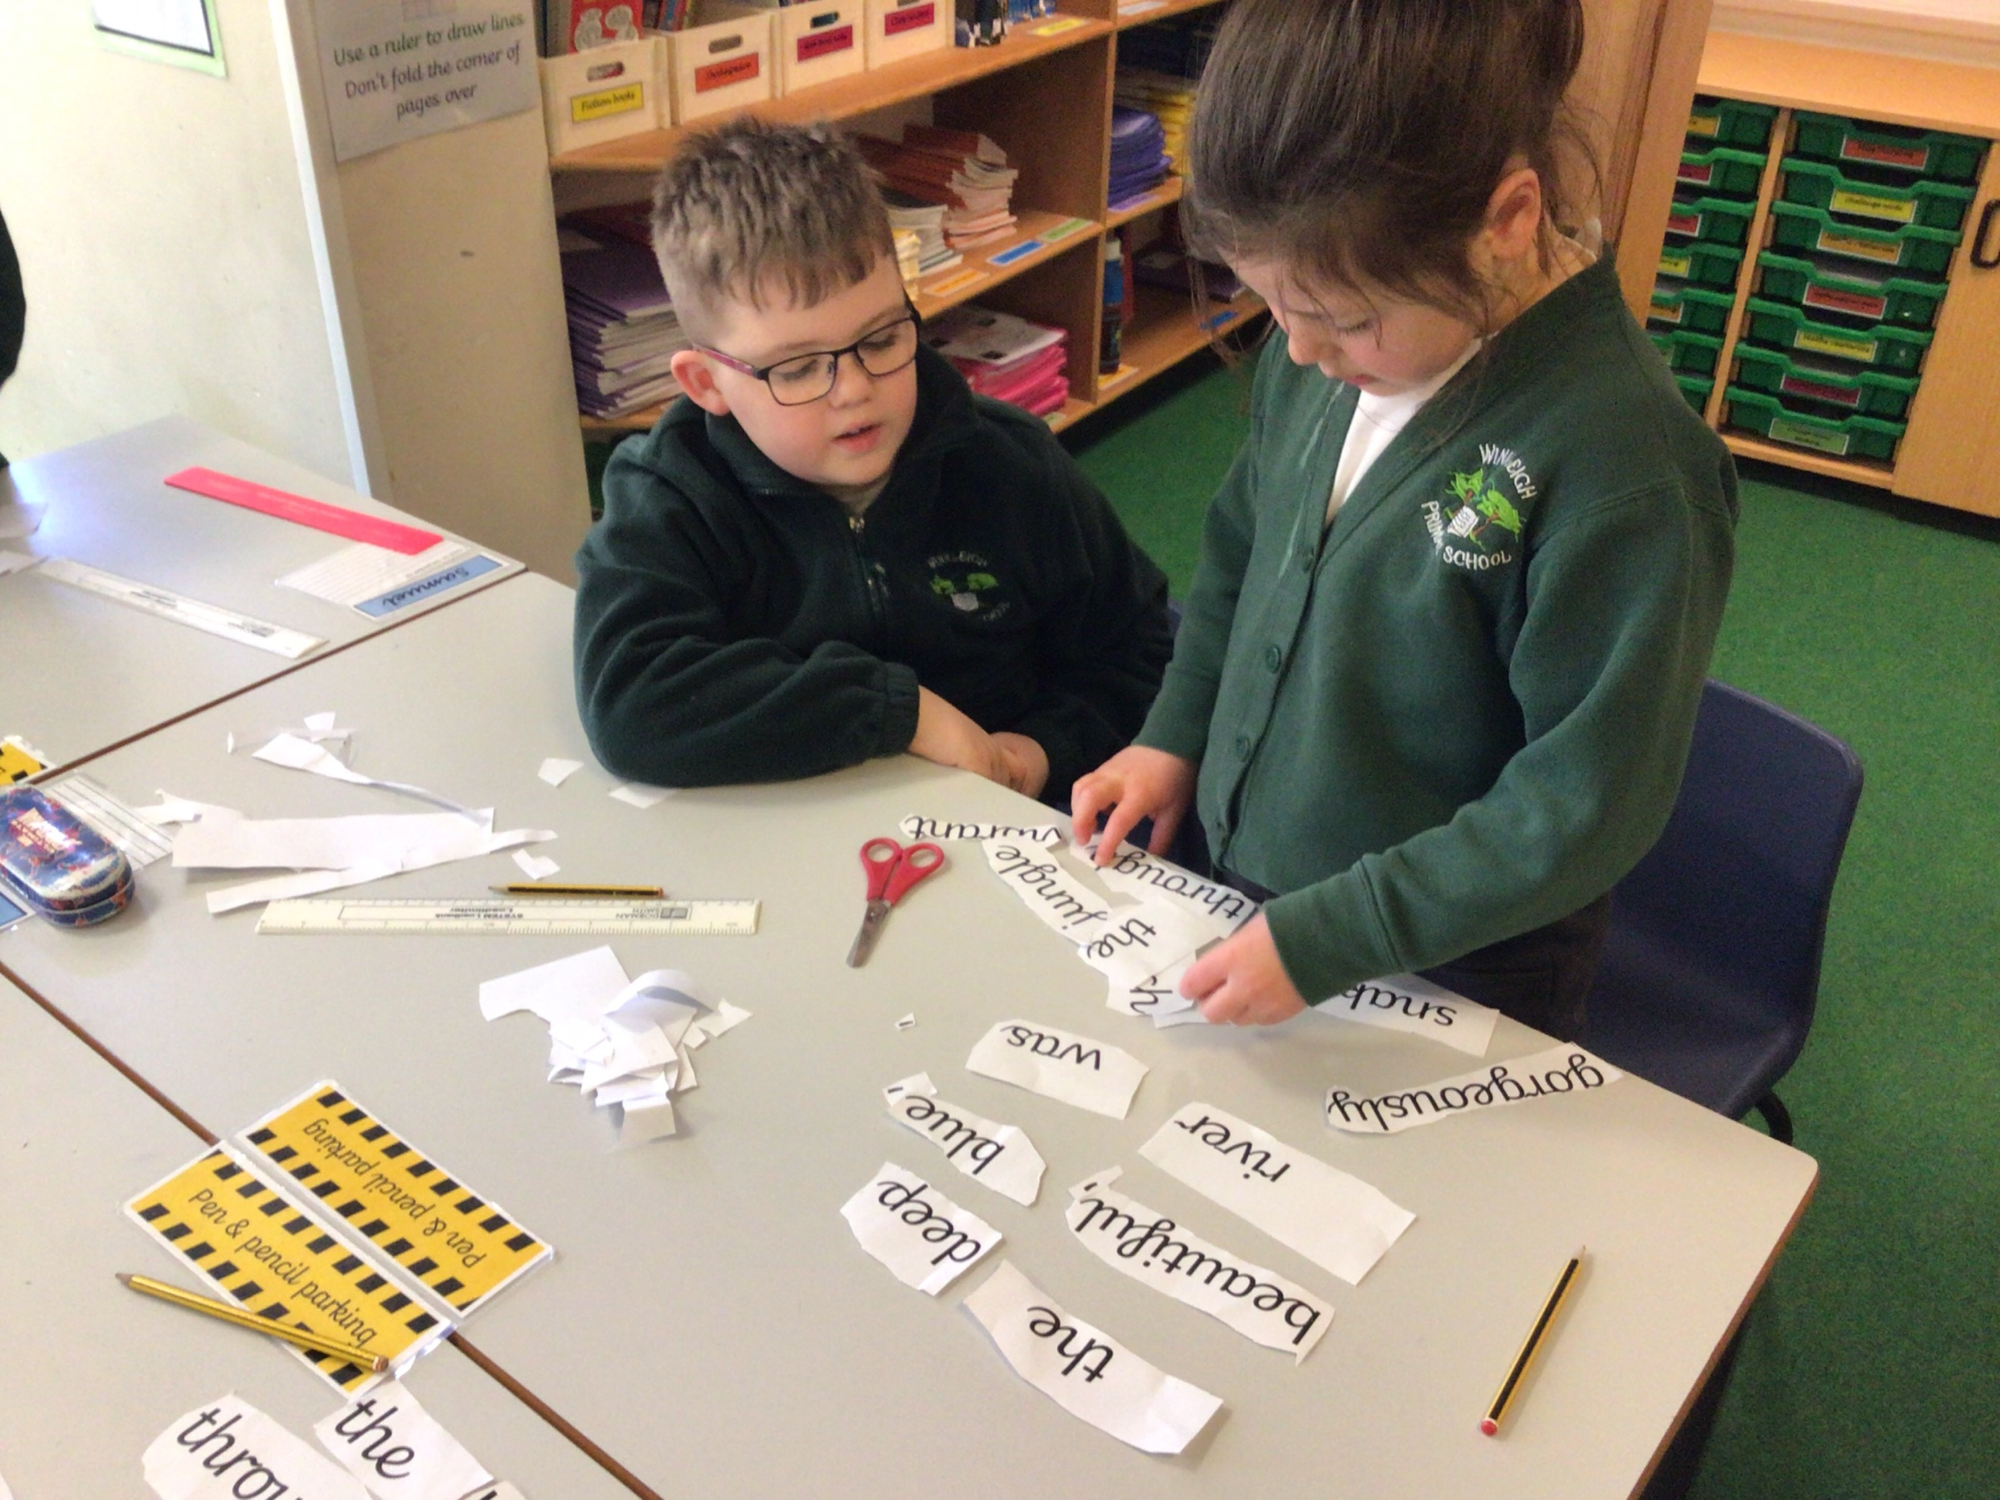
752 203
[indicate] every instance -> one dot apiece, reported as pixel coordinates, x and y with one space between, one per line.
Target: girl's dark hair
1359 141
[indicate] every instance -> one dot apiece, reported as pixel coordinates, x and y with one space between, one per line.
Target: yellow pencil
1531 1346
373 1363
627 892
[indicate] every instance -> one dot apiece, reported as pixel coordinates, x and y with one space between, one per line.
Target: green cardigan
1462 710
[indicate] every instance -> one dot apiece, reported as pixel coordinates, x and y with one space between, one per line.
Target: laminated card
1048 1060
924 1238
1564 1069
1334 1220
1086 1371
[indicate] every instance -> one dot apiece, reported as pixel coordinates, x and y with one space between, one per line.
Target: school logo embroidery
1478 527
967 580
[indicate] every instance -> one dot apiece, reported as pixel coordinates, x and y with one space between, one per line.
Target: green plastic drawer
1832 382
1879 195
1795 227
1722 169
1687 352
1715 221
1696 389
1703 264
1680 304
1882 347
1822 284
1837 437
1935 153
1731 122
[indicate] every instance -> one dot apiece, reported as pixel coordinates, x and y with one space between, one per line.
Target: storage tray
1935 153
1911 248
1696 389
1680 304
1837 437
1722 169
1882 347
1687 352
1833 382
1824 284
1731 122
1703 264
1879 195
1715 221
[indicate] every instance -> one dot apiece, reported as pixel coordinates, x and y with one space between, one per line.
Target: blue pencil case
56 864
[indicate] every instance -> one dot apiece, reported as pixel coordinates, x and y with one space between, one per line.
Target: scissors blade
871 929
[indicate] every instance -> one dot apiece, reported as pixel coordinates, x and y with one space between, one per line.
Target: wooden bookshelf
1743 445
1166 193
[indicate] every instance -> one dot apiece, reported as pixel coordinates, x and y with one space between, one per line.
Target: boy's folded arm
1608 668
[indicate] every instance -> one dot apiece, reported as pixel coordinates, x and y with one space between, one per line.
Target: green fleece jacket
1462 710
733 624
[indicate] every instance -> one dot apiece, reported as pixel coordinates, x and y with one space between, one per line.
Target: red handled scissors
892 871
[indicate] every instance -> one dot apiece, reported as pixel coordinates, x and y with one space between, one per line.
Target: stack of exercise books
1138 154
1005 357
908 258
960 169
926 222
1158 68
623 334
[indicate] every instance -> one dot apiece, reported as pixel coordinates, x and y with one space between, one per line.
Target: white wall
1959 31
163 239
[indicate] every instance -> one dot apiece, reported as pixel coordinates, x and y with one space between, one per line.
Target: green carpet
1872 1367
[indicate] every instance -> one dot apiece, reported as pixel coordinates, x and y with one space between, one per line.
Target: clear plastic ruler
165 603
497 914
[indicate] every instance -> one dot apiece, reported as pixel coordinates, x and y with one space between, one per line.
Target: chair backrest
1738 887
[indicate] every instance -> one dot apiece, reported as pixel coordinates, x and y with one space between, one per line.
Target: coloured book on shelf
926 222
1008 358
1167 267
622 330
1138 154
959 169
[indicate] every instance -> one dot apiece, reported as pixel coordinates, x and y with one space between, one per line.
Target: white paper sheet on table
1137 943
1154 996
555 771
1151 1248
364 571
386 1420
1001 1156
1059 1064
1562 1069
941 830
1086 1371
1334 1219
925 1239
232 1435
1405 1003
239 843
536 866
1033 873
1134 872
305 753
636 794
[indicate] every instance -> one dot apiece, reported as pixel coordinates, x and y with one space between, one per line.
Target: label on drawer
1836 243
1874 206
1708 125
720 75
1835 344
1689 224
1916 158
1801 436
1855 304
1692 171
910 18
1840 395
1676 263
825 43
1663 312
586 107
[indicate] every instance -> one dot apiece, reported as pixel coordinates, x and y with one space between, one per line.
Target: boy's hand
1133 784
951 738
1242 982
1027 762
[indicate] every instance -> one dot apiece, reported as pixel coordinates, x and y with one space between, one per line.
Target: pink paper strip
317 514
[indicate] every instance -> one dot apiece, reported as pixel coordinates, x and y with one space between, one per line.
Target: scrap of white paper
1403 1002
1050 891
310 882
14 562
500 1489
135 836
1334 1220
364 571
556 771
1563 1069
1060 1064
582 985
924 1238
1086 1371
907 1022
1136 943
916 1083
943 829
1151 1248
1001 1156
724 1016
1192 1016
305 753
642 1124
536 866
211 1452
397 1449
240 843
1134 872
1154 996
638 795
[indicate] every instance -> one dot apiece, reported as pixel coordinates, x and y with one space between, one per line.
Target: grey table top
710 1322
79 672
94 1372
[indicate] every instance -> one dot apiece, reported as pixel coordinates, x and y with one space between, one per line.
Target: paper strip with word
1135 943
1334 1220
1154 996
1001 1156
1060 1064
458 1245
217 1450
1151 1248
1403 1002
1084 1370
924 1238
1051 892
1565 1069
246 1237
1134 872
942 829
397 1449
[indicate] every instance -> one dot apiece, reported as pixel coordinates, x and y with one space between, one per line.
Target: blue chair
1711 967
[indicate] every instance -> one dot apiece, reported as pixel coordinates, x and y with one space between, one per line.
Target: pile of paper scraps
625 1043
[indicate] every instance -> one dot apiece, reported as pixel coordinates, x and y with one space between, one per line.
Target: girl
1439 666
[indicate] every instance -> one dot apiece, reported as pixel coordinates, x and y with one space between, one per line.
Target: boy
833 550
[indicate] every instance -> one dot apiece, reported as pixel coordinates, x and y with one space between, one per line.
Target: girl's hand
1027 762
1133 784
951 738
1241 981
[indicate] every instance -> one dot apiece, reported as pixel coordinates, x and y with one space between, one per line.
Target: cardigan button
1242 744
1273 658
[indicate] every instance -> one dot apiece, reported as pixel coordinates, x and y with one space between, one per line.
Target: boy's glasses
805 378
